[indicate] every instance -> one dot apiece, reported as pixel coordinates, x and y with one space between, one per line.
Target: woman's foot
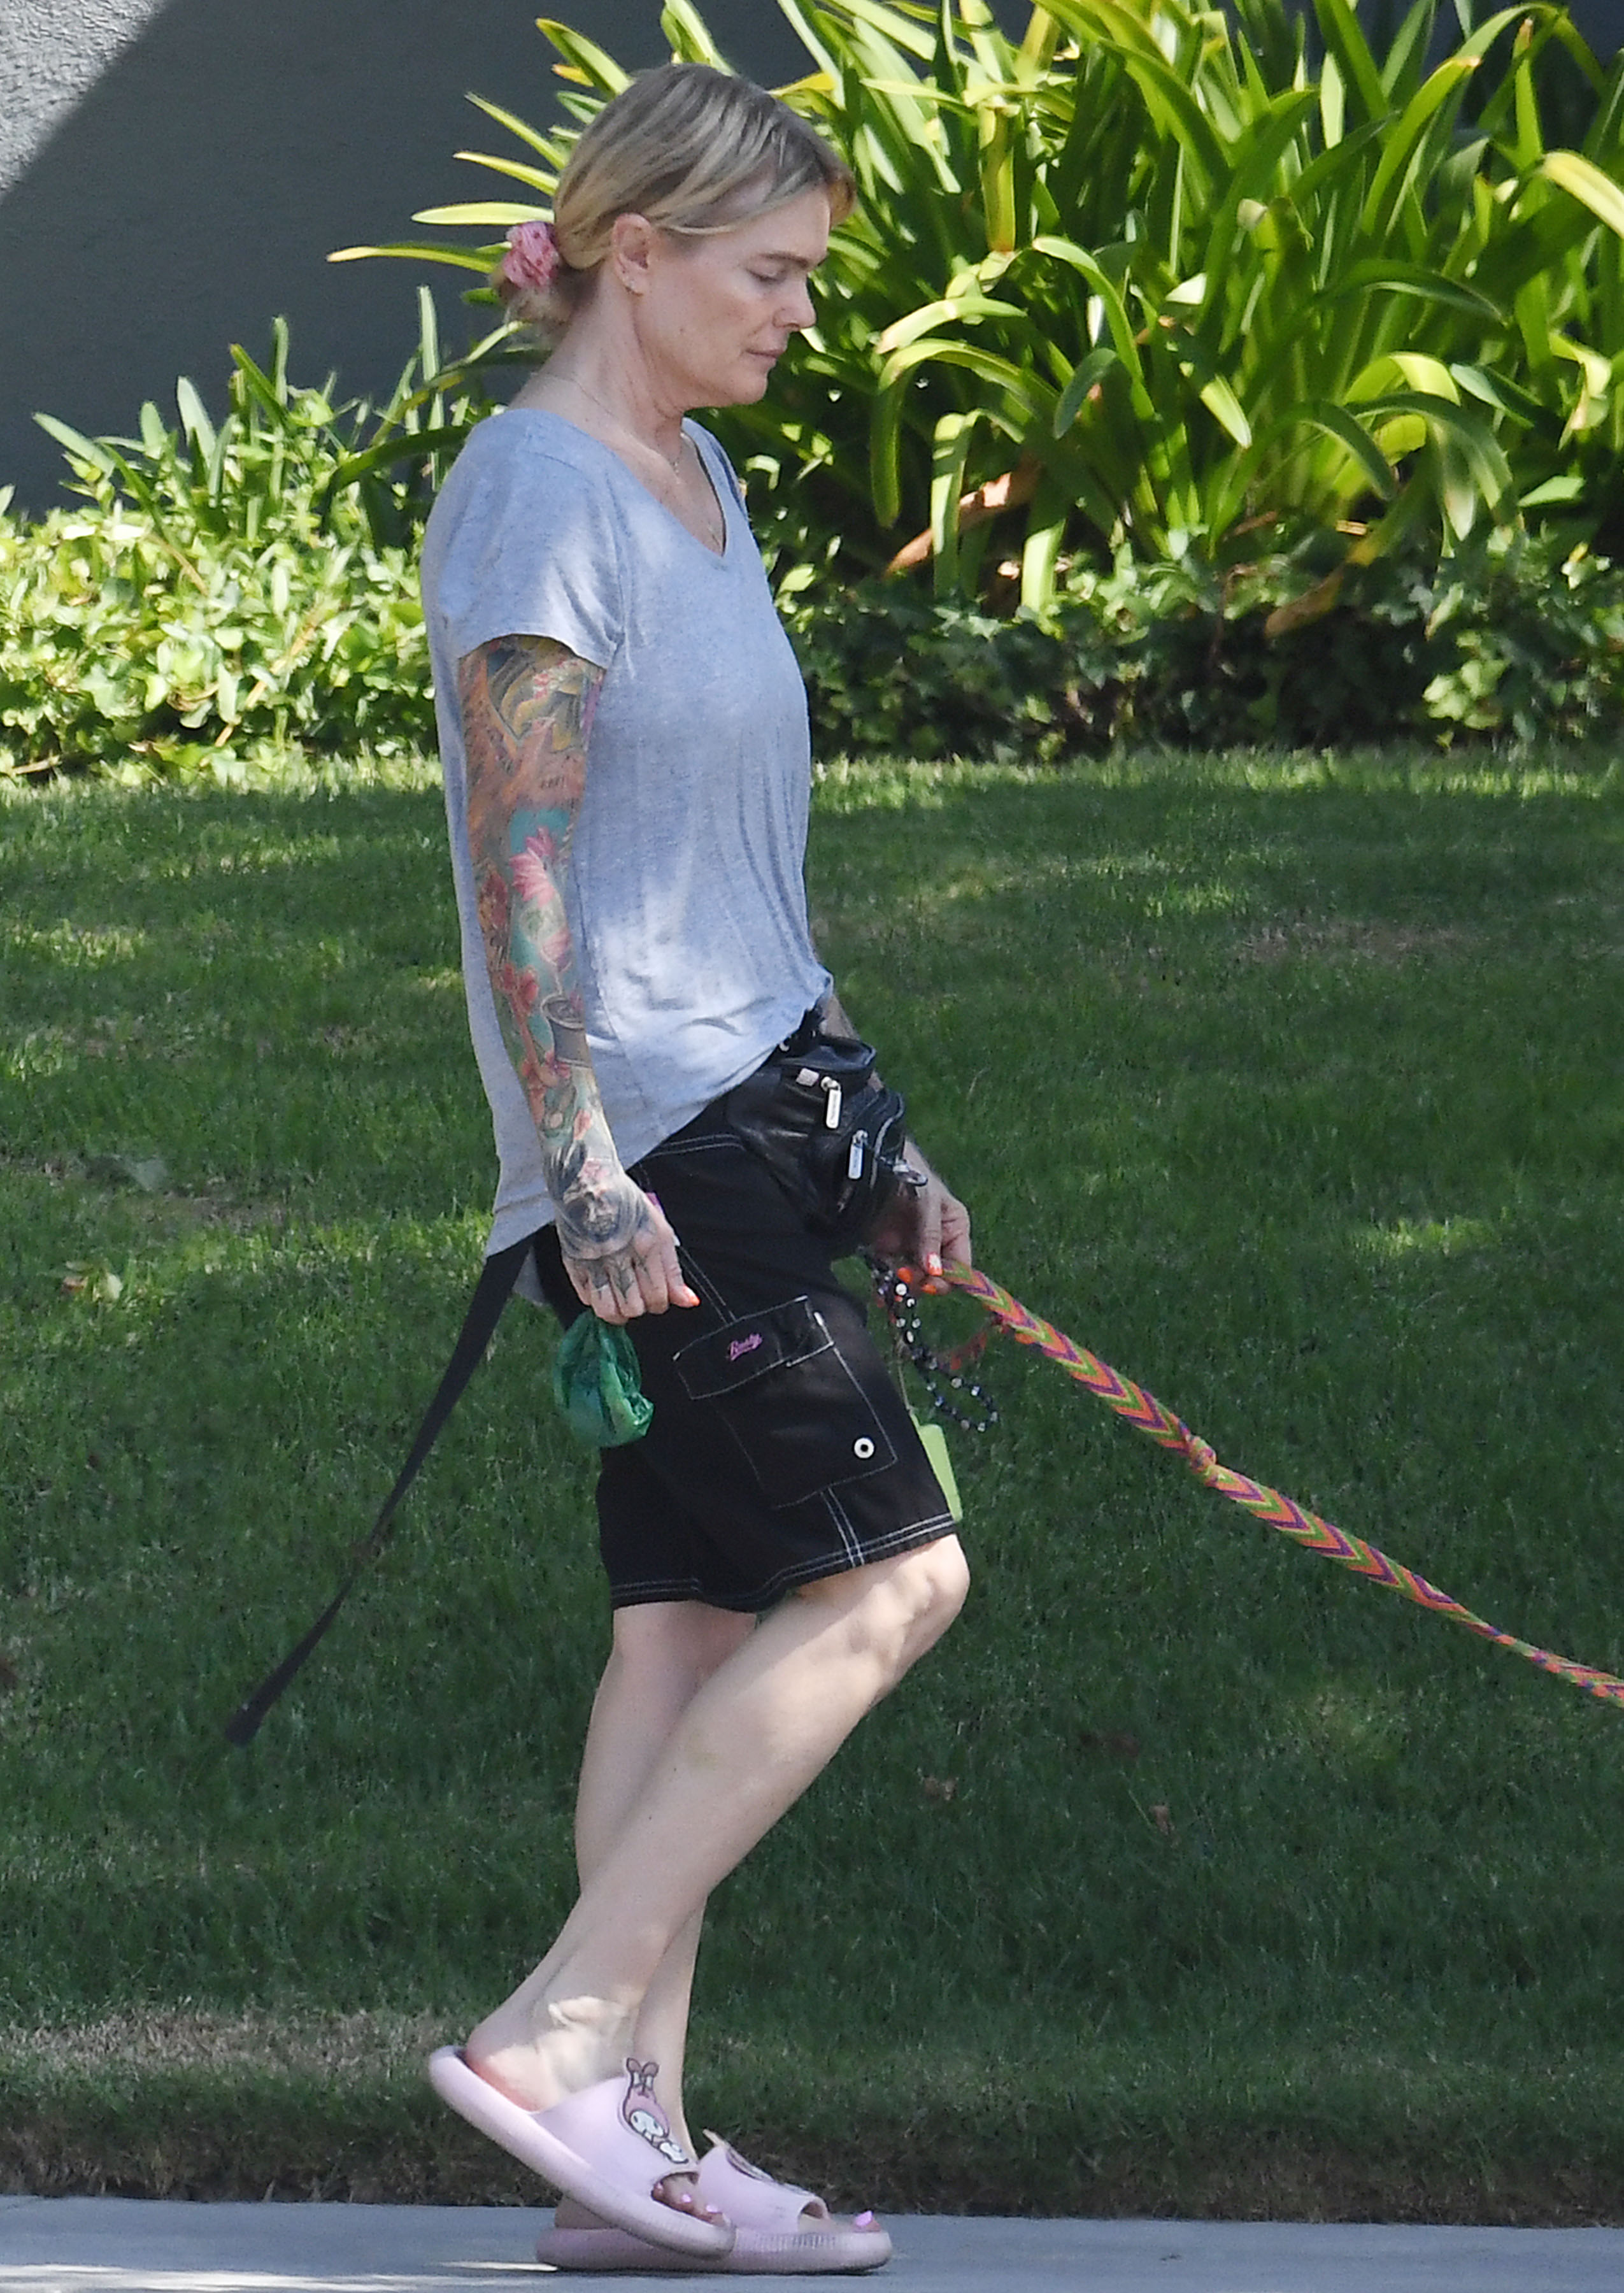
570 2045
779 2231
537 2053
607 2145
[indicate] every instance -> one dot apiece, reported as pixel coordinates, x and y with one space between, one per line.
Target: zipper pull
832 1103
858 1155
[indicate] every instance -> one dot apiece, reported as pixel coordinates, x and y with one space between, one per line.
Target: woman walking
624 741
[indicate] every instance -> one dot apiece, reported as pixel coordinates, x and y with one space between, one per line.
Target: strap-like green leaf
540 179
459 258
901 28
1344 36
1046 530
501 212
1221 403
689 35
1067 251
83 448
1484 457
1584 180
1086 375
1401 146
549 146
194 415
1492 388
955 435
965 307
585 55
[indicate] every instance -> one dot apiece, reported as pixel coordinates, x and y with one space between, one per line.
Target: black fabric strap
491 1294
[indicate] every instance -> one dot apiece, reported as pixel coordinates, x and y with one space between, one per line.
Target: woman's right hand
619 1247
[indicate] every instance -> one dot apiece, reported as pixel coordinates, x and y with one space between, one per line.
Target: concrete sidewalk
121 2245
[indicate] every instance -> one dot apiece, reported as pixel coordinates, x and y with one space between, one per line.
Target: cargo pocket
779 1383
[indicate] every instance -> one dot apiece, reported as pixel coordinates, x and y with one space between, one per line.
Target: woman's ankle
537 2053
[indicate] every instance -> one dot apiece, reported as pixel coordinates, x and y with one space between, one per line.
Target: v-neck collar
719 487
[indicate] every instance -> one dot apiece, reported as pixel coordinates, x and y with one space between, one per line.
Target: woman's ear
632 249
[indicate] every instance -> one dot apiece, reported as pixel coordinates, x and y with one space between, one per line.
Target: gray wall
173 173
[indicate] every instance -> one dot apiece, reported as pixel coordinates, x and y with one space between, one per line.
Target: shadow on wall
197 187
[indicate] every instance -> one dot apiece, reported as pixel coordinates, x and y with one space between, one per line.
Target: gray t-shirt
685 890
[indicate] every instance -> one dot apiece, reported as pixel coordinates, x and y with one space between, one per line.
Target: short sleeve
524 544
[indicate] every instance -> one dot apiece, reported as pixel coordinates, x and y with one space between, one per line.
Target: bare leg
663 1654
747 1744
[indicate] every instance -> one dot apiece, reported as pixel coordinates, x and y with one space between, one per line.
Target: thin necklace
671 461
715 527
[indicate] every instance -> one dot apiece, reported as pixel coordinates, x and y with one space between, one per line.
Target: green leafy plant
127 632
227 590
1505 639
1147 278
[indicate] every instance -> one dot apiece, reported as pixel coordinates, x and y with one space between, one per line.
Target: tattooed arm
527 705
925 1225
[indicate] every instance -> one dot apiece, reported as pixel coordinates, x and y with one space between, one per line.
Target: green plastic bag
597 1385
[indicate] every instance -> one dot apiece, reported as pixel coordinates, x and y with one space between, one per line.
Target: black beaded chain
942 1375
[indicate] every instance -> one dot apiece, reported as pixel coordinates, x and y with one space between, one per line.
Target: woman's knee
901 1608
939 1579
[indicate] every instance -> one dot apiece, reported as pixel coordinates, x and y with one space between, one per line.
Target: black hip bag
831 1133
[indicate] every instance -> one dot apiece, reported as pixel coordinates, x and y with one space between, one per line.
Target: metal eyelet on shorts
862 1447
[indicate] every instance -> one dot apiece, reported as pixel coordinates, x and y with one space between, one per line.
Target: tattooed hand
618 1249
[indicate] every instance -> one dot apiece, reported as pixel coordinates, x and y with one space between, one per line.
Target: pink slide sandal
606 2147
772 2237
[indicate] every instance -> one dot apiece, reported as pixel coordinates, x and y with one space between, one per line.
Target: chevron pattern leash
1147 1415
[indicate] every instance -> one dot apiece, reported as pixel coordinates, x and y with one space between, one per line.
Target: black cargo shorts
781 1449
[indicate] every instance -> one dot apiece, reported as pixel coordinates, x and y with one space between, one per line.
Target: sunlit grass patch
1434 1237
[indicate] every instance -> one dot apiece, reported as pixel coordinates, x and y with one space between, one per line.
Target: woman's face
716 313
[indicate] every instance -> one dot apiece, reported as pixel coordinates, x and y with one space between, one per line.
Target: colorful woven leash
1145 1412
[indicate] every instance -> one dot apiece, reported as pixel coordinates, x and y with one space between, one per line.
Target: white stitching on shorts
881 1548
842 1520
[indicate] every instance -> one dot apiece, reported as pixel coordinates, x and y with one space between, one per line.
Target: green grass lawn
1295 1089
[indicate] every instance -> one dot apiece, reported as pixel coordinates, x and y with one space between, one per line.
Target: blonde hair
696 152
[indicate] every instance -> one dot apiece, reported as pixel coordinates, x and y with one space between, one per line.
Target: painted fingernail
864 2220
933 1264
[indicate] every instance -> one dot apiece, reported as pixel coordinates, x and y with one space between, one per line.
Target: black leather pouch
828 1129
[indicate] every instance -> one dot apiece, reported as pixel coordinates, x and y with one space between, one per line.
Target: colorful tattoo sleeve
526 706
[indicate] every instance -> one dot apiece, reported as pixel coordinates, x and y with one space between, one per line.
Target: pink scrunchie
532 257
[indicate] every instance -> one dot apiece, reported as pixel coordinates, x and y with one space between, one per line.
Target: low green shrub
1510 641
221 594
221 601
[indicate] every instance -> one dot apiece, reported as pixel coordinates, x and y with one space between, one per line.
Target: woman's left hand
924 1226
